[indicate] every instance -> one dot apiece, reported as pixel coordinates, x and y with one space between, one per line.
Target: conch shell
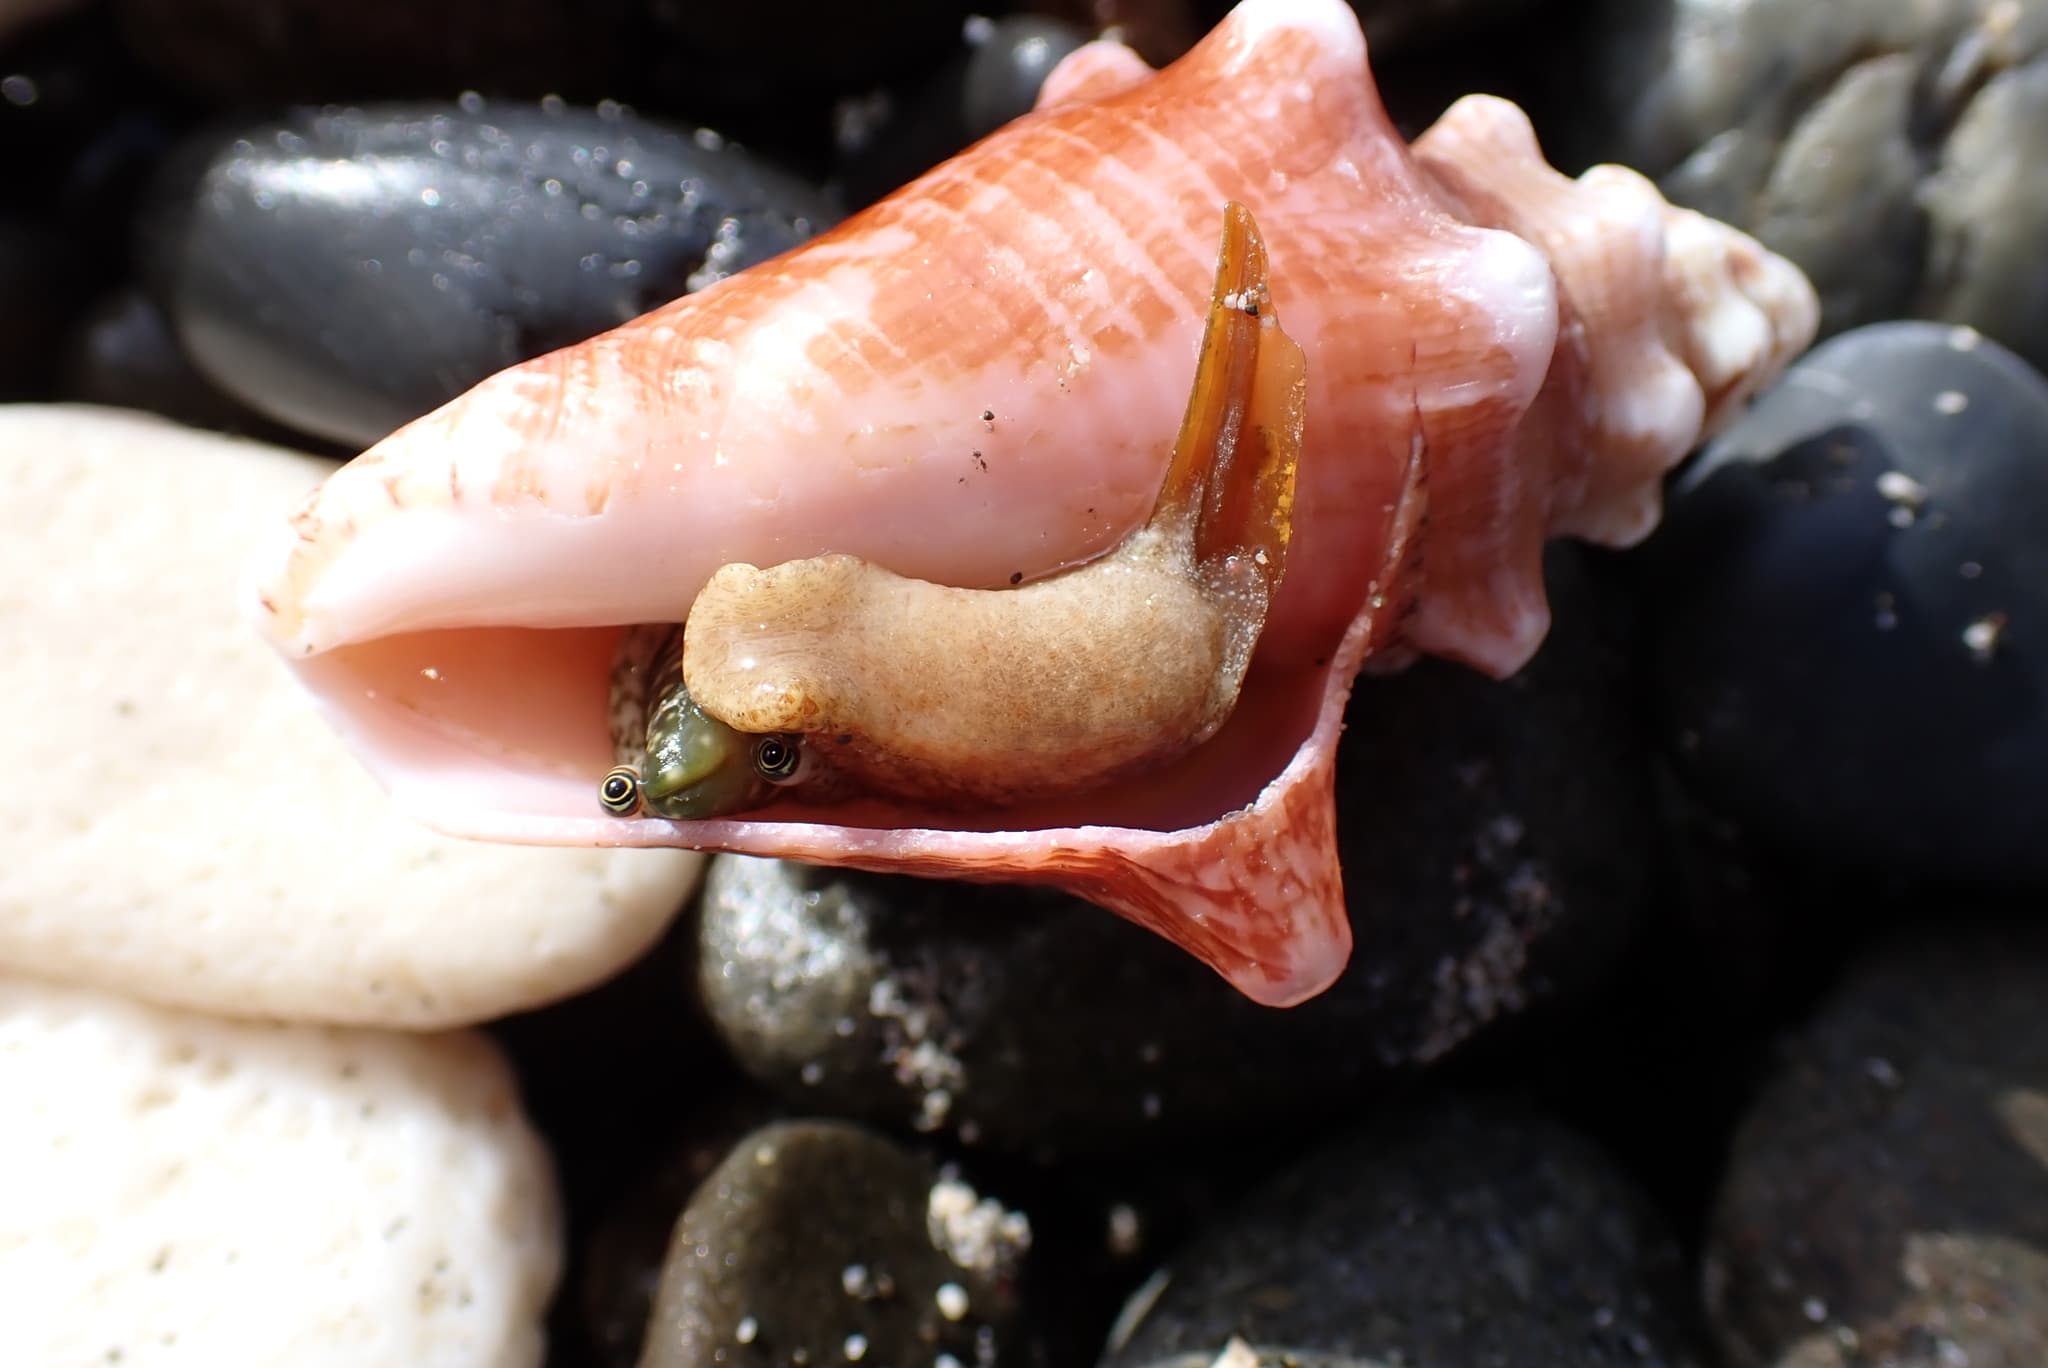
978 379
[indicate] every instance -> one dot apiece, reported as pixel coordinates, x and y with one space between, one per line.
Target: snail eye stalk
777 759
620 791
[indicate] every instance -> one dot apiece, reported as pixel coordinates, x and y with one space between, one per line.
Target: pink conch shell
1519 354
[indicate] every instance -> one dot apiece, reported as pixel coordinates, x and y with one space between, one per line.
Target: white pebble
183 827
952 1301
856 1348
183 1188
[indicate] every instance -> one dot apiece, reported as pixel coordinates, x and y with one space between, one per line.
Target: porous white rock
178 1189
180 826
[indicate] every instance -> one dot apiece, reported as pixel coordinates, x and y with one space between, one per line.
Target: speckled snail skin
981 376
834 675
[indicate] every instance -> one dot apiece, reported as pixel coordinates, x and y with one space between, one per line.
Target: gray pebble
1892 148
347 270
818 1242
122 354
1849 637
1886 1201
1465 1234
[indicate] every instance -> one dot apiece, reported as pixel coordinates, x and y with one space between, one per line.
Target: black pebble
1851 610
1888 1194
1462 1234
819 1242
992 78
1007 66
616 1265
122 355
348 270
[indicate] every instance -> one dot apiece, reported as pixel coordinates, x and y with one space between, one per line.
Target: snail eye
776 759
620 791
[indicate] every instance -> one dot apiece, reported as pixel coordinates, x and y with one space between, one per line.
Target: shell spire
978 380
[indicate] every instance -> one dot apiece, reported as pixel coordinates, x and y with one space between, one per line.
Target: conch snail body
834 675
977 382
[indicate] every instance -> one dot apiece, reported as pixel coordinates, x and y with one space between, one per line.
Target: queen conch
977 384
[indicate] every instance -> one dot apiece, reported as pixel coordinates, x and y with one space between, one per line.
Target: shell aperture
986 697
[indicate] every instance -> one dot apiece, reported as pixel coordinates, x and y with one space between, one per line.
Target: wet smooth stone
121 354
1157 30
1851 611
599 1070
1496 848
1886 1200
1891 148
347 270
616 1269
1007 63
1460 1234
994 77
820 1242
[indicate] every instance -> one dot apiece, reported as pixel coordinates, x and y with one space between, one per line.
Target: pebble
1886 1199
616 1266
346 270
1007 63
1888 147
183 826
1496 851
819 1242
1157 30
175 1188
1851 610
121 354
1456 1234
888 138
